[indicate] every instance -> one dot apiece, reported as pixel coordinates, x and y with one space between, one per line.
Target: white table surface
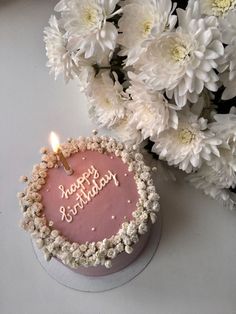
194 270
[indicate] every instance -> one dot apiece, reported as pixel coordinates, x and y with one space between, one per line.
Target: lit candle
54 140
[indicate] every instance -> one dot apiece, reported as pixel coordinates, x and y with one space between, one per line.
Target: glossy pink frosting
103 215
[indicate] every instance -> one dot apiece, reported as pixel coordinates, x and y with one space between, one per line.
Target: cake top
92 203
96 213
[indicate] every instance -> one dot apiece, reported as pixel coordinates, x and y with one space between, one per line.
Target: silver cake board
74 280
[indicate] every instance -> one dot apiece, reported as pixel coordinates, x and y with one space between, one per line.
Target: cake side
89 253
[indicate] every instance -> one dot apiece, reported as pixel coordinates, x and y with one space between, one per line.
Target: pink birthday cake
98 219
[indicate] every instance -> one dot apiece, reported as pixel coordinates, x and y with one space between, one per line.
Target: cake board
74 280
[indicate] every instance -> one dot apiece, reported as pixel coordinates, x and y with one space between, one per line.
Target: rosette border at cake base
74 280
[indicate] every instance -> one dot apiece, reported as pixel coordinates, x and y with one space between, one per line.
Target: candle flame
54 140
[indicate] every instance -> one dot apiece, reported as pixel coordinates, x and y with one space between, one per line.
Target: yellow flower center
223 4
179 52
186 136
107 103
222 7
146 28
90 16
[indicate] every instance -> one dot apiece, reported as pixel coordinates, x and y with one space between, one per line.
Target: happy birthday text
90 178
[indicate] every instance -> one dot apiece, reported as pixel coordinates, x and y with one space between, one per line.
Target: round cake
96 220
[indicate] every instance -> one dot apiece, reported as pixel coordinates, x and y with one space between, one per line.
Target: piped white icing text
86 188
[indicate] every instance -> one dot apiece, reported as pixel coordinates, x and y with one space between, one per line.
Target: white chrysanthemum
141 20
126 132
228 27
228 61
216 177
217 7
225 167
183 62
86 76
107 100
205 106
61 6
152 113
187 146
87 27
89 70
225 128
60 59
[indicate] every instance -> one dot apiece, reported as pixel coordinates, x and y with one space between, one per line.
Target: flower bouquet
154 70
